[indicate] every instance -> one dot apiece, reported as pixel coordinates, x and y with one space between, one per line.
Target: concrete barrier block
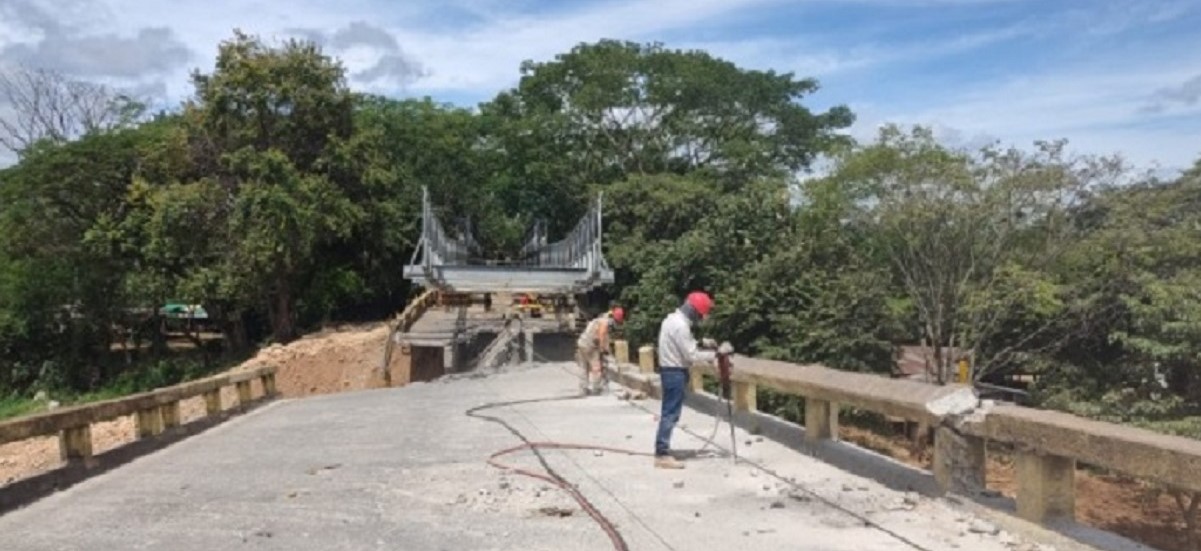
244 396
621 351
170 414
746 396
821 420
1046 487
75 443
149 422
959 462
646 359
212 402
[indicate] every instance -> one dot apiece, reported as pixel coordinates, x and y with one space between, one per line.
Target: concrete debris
981 527
598 453
956 403
777 505
847 488
902 504
504 485
754 473
678 484
697 514
799 496
556 511
759 439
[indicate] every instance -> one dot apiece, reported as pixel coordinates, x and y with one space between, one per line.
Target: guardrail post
170 415
821 420
244 396
149 422
1046 487
268 382
212 402
75 443
621 351
646 359
746 397
959 461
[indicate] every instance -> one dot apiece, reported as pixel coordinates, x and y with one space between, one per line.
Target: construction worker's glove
725 349
708 343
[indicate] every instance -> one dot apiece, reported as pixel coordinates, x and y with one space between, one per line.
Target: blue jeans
674 380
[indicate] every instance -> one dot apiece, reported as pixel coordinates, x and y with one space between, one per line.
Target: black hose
551 475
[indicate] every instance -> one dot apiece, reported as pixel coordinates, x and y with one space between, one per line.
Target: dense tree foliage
279 199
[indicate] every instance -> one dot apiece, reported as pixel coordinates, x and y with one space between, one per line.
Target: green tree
609 110
971 237
266 125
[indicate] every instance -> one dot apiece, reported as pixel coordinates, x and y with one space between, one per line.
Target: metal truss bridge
455 264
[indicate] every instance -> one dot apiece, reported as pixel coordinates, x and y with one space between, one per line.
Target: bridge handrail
403 322
156 410
1047 444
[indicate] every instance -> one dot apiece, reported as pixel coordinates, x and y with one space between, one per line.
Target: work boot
667 462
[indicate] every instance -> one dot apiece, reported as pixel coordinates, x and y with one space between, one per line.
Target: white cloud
415 47
1096 111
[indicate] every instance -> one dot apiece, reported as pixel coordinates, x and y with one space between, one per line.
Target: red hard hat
619 315
700 301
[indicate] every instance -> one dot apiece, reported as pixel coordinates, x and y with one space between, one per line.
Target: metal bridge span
455 264
462 334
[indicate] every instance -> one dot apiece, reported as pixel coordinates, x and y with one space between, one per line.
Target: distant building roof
916 361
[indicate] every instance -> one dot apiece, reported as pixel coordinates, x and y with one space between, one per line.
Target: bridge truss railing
575 262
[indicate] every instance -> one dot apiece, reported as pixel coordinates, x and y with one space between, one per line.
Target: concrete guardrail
156 411
1047 444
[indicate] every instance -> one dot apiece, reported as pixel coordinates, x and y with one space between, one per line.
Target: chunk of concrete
960 402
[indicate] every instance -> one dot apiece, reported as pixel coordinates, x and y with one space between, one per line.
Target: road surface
406 469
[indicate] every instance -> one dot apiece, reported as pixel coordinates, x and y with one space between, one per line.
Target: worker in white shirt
678 351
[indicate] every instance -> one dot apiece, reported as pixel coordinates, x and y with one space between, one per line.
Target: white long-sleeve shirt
677 347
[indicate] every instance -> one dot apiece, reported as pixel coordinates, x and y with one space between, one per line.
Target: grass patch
137 378
16 406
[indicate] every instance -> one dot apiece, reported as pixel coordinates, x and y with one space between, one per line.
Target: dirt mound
333 360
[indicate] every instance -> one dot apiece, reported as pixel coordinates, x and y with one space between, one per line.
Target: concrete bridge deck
377 470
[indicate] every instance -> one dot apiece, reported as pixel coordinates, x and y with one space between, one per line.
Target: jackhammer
724 375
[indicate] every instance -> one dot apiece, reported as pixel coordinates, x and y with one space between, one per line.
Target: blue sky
1111 76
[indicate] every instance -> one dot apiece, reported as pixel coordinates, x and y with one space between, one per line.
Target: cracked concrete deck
405 469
